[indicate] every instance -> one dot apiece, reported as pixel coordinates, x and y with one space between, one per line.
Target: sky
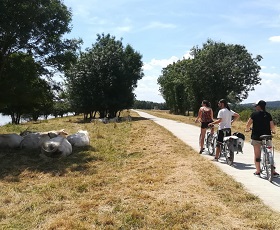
164 32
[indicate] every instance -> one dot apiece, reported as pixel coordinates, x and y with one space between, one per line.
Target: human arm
248 125
219 120
272 127
212 115
235 117
198 118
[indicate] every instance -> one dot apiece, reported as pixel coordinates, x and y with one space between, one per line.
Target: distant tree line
245 111
149 105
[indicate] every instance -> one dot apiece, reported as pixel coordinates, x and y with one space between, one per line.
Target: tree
36 27
174 87
104 77
23 90
220 70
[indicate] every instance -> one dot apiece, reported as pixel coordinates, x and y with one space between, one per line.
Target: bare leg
218 152
257 152
202 136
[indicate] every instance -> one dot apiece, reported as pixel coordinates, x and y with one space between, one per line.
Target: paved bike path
243 166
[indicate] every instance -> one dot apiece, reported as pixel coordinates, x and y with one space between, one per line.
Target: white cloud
268 90
273 76
148 89
274 39
160 25
124 28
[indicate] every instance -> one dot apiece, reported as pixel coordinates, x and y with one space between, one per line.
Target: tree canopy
36 27
23 90
32 49
215 71
104 77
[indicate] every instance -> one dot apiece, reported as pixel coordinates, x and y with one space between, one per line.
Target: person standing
262 125
225 118
205 116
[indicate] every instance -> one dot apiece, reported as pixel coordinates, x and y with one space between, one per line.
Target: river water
7 119
4 119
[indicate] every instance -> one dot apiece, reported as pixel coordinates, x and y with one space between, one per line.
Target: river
4 119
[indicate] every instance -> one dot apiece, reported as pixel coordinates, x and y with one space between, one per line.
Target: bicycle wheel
229 154
263 165
207 140
199 140
211 141
269 166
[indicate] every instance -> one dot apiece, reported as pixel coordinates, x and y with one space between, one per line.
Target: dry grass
135 175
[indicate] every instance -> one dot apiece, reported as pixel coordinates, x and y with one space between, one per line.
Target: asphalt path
242 169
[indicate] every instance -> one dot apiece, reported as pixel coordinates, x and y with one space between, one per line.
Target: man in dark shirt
262 125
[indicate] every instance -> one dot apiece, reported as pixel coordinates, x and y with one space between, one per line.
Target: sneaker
201 151
275 174
257 174
215 159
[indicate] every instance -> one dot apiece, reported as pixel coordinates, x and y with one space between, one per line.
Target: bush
276 116
245 114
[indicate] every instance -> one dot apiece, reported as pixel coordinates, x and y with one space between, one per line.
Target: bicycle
228 146
210 141
267 157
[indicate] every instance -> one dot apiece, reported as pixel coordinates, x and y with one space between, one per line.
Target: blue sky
165 31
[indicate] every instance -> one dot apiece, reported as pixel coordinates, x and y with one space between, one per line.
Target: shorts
204 125
258 142
221 135
255 142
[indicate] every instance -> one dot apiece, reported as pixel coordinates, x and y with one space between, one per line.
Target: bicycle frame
267 157
207 142
210 142
227 147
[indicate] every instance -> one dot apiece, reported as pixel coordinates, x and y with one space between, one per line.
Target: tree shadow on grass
15 162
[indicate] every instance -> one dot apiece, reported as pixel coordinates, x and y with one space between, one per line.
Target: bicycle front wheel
211 141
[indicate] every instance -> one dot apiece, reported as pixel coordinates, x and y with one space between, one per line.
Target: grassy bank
134 175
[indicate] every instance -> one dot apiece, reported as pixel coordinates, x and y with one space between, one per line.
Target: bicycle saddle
266 137
230 137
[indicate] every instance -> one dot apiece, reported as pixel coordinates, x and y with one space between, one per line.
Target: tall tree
174 87
36 27
104 77
220 70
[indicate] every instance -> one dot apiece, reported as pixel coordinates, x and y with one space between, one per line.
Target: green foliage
245 114
23 90
149 105
217 70
36 27
31 47
220 70
174 87
276 116
104 77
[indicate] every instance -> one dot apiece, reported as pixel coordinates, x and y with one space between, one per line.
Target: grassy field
134 175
